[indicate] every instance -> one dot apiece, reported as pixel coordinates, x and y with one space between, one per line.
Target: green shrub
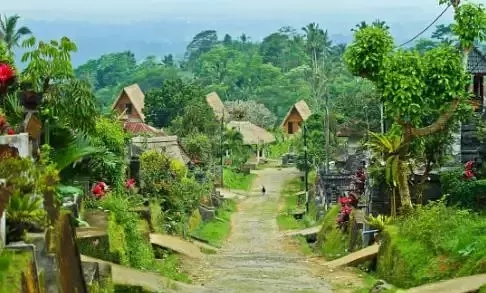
450 242
235 180
463 193
170 185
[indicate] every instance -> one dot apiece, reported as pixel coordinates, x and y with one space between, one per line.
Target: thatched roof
251 133
136 96
166 144
217 105
302 108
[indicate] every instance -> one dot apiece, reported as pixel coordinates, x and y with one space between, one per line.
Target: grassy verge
449 242
288 204
217 230
235 180
169 264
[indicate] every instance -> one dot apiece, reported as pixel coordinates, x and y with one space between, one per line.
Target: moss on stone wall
332 243
110 247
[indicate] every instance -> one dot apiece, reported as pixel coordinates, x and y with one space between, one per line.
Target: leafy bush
468 194
170 184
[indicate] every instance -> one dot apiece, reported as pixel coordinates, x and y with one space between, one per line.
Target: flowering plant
7 76
130 184
468 170
99 190
7 73
352 198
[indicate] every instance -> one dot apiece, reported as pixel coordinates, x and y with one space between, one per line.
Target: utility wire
426 28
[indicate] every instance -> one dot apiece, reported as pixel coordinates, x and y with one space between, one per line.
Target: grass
303 245
217 230
235 180
450 242
288 204
169 266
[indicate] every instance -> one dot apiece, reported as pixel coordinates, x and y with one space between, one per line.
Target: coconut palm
9 32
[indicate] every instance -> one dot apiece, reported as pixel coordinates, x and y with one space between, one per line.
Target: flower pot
30 100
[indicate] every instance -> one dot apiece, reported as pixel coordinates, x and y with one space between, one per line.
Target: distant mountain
172 35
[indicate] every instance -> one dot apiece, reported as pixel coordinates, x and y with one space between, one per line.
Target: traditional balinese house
217 106
129 105
469 143
254 136
297 114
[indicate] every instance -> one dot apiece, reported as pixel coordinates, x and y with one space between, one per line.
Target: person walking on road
263 190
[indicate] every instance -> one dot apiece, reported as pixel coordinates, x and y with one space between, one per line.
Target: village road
254 259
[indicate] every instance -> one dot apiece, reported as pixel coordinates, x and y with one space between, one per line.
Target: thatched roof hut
217 105
252 134
297 114
167 144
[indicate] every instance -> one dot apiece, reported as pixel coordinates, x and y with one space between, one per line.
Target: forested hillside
288 65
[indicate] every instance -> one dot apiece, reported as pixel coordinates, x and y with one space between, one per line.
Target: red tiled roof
140 127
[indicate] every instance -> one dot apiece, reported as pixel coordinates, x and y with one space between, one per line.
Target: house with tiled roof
129 105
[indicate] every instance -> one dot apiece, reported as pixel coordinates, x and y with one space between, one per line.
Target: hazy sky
140 10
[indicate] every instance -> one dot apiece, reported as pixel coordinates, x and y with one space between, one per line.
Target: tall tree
9 32
414 86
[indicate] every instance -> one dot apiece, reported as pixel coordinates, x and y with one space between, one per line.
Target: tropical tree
9 33
414 85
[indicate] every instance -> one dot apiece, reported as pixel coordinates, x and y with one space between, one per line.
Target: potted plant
29 98
24 213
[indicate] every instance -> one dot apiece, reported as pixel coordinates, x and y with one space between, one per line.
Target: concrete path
355 258
458 285
303 232
151 281
177 245
254 259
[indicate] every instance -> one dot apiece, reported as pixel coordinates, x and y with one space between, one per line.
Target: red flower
469 165
99 190
344 200
6 73
468 174
130 183
11 131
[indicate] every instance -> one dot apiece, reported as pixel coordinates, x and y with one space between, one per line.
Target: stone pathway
254 258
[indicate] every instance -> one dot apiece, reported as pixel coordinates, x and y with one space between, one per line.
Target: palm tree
9 32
